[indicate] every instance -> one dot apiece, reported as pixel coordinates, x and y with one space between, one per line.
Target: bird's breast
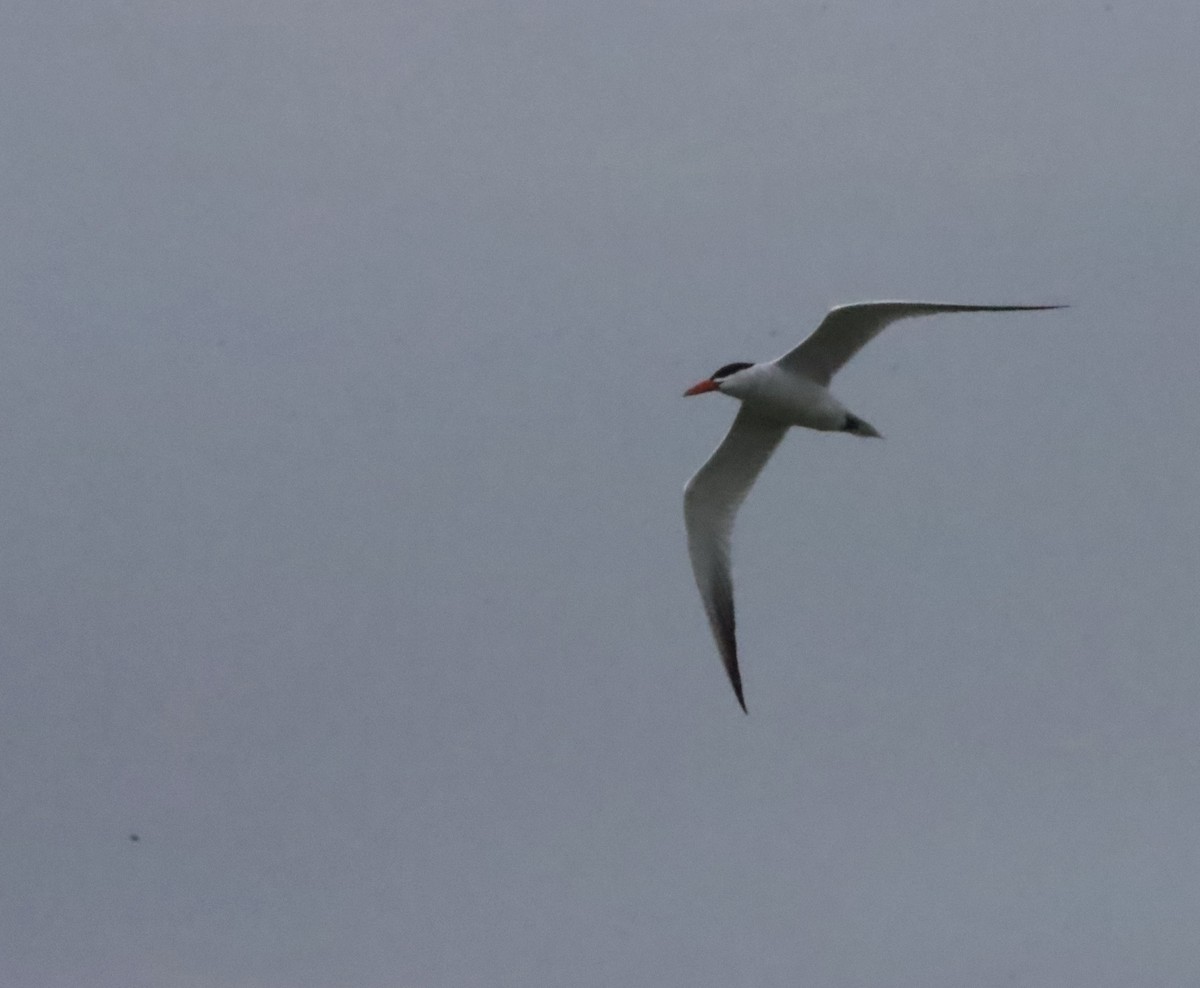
791 399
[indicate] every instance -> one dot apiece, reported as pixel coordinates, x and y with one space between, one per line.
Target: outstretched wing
710 502
848 328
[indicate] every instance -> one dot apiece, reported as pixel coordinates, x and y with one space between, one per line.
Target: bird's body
786 398
776 395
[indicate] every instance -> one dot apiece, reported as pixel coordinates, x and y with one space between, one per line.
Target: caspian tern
792 390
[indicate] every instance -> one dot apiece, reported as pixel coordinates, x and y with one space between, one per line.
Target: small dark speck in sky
134 837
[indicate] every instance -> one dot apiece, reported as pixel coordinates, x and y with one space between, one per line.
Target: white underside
787 398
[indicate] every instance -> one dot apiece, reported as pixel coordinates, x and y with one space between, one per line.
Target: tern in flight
792 390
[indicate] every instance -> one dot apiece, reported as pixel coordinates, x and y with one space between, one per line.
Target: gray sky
340 370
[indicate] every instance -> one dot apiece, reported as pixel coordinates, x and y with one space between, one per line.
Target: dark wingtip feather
735 674
724 624
735 679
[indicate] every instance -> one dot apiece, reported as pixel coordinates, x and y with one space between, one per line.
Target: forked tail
859 427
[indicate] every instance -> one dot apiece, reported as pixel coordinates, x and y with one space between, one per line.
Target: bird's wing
848 328
710 501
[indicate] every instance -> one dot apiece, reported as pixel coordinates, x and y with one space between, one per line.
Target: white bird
792 390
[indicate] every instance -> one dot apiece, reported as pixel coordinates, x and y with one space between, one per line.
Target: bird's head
718 378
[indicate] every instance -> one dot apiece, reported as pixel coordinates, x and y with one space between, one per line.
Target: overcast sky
341 353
